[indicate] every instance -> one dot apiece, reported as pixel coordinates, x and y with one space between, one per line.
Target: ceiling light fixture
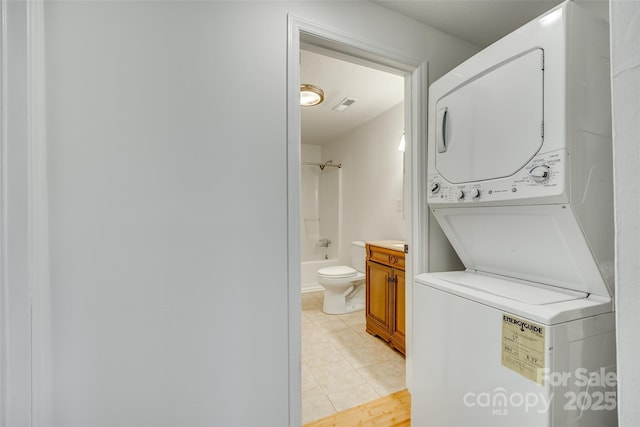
310 95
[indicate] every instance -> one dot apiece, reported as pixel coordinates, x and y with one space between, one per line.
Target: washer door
492 125
538 243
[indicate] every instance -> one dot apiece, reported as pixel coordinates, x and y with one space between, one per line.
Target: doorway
351 185
308 36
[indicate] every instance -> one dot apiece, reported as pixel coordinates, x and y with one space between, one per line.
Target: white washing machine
520 180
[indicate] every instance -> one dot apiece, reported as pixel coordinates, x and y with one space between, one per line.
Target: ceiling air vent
344 104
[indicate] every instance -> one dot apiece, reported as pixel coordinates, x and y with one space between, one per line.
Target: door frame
313 36
25 334
4 305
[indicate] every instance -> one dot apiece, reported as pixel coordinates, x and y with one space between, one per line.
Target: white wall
625 70
372 175
310 153
168 203
15 346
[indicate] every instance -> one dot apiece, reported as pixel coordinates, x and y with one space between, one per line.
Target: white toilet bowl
344 286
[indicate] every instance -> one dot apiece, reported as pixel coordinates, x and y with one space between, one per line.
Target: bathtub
308 270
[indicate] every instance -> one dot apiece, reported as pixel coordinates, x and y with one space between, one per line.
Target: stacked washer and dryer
520 180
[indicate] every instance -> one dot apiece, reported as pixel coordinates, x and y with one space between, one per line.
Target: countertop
394 245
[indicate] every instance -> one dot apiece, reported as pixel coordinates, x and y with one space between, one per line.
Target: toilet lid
337 272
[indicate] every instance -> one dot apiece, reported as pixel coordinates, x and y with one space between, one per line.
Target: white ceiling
479 22
375 92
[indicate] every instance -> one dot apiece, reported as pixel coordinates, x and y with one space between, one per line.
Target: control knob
460 194
435 187
540 173
475 193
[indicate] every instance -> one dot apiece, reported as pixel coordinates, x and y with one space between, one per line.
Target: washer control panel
543 176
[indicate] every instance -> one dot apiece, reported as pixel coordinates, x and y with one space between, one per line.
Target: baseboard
311 287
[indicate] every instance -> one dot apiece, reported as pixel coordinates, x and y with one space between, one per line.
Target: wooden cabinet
378 304
386 295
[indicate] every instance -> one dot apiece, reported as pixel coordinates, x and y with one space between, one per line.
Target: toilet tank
358 255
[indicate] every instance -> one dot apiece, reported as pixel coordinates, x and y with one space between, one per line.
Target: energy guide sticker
523 347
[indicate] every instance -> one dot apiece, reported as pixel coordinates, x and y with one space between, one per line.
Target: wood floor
389 411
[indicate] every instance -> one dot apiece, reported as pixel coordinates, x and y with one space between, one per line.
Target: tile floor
342 365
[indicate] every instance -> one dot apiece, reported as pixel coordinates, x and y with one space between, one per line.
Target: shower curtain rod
323 165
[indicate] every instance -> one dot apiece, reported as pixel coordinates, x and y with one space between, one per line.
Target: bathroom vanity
385 291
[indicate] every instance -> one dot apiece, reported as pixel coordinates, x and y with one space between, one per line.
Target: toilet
344 289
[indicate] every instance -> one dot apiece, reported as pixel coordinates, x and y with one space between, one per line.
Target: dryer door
491 126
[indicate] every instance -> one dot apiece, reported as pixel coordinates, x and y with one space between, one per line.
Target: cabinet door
398 327
378 300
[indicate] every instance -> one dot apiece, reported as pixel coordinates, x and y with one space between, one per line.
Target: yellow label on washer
523 347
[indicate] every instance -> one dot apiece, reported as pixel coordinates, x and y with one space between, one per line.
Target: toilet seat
337 272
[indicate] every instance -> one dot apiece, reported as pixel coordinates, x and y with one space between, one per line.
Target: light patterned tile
313 335
386 377
365 354
348 363
336 376
358 328
321 354
330 325
356 320
317 316
308 379
305 321
315 405
353 396
376 341
346 338
399 359
311 304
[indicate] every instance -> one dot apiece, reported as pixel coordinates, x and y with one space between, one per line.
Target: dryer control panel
542 180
